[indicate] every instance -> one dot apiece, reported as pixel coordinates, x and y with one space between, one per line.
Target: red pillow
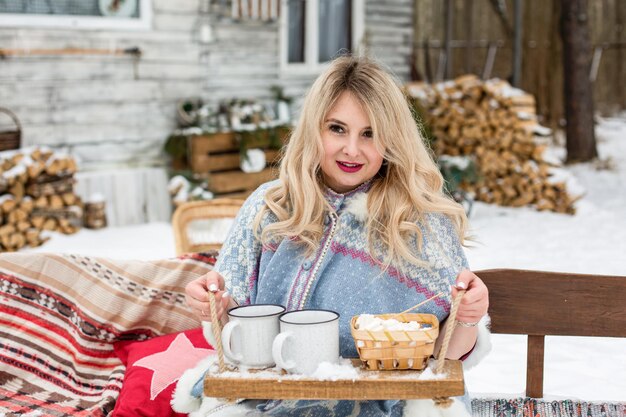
152 369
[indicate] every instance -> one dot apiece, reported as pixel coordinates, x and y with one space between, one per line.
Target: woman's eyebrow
336 121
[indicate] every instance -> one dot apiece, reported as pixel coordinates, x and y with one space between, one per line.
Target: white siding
121 105
389 33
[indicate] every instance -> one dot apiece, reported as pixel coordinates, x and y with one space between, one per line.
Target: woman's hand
197 297
475 302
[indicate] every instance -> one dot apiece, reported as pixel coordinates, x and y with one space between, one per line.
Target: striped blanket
59 317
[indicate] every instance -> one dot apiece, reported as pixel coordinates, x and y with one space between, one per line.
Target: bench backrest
538 303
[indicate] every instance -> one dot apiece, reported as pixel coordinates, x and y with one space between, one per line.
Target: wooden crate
218 157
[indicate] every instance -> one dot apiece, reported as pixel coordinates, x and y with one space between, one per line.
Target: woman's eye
368 134
336 128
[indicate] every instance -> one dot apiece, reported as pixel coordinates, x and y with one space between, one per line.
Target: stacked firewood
95 213
496 125
36 194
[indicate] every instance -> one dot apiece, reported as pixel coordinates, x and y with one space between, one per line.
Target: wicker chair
194 224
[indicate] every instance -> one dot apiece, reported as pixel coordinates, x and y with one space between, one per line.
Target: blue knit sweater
340 276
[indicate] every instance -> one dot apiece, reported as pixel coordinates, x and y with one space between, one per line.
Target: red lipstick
349 166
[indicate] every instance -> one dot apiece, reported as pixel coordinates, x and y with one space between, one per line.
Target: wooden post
517 44
469 35
534 366
448 41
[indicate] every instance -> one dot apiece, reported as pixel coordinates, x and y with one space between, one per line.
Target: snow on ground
592 241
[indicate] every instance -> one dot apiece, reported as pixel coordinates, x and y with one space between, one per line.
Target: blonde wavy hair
408 186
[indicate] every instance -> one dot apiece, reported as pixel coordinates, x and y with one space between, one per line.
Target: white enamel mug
307 338
248 335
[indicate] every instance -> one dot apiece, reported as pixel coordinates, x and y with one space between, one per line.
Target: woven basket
11 139
396 350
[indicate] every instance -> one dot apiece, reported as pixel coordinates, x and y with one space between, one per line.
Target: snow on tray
344 370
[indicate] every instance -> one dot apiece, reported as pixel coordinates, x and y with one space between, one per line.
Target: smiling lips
349 166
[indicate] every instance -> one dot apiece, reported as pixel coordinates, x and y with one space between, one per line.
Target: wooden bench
539 304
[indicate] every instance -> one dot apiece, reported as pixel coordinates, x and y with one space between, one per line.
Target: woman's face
350 157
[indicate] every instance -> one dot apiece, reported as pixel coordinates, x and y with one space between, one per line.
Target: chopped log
7 203
41 154
35 169
27 204
17 215
55 202
68 229
23 225
7 229
38 221
50 224
54 166
6 242
17 241
32 235
17 190
41 202
69 199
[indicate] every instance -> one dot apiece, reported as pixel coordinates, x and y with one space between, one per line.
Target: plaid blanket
59 317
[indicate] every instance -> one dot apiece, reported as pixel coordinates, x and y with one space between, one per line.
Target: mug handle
277 351
227 333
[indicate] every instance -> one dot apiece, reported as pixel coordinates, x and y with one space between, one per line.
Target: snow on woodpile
36 194
496 125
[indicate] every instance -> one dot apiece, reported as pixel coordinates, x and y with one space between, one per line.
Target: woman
357 222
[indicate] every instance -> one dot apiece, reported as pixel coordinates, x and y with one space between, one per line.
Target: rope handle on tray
449 329
217 332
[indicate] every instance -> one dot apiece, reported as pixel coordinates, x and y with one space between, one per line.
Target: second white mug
307 338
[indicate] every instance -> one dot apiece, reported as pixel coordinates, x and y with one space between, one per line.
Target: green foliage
278 93
176 146
457 170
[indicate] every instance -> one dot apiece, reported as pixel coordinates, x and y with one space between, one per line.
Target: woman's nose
351 147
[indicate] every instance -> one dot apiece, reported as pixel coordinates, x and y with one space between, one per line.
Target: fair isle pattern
344 279
60 315
333 408
441 252
239 253
413 284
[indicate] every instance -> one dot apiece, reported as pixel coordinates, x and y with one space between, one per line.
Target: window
313 31
79 14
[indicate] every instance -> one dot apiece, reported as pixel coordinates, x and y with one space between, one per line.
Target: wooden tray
371 385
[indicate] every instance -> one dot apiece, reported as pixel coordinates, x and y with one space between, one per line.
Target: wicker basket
396 350
10 139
